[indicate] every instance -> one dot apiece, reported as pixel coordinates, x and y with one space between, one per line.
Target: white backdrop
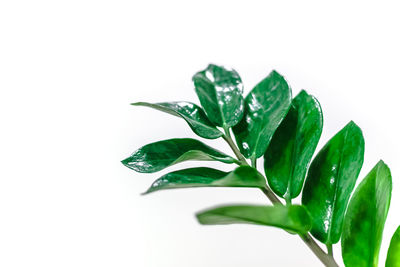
69 69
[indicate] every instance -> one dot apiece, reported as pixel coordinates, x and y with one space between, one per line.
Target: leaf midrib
216 99
254 152
293 154
259 222
177 114
339 172
372 240
191 151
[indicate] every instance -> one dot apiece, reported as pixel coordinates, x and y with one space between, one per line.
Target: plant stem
254 161
271 196
326 259
330 250
227 137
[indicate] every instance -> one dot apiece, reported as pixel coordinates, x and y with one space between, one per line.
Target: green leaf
292 146
160 155
292 218
244 176
365 218
220 93
330 181
265 107
191 113
393 256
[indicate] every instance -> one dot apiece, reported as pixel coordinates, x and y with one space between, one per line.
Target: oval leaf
292 146
191 113
365 218
243 176
160 155
220 93
393 256
265 107
292 218
330 181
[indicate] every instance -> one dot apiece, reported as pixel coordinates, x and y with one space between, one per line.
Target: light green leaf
160 155
289 154
265 107
330 181
292 218
365 218
244 176
220 93
191 113
393 255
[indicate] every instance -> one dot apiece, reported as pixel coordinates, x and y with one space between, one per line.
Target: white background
69 69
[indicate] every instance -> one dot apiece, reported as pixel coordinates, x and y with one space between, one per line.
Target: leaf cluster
269 123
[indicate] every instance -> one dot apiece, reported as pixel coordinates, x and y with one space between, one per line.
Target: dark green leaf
291 218
330 181
292 146
365 218
159 155
393 256
244 176
265 107
220 93
191 113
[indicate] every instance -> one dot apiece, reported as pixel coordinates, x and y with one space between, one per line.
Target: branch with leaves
285 131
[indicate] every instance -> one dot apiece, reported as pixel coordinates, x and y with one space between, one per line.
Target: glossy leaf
330 181
292 146
265 107
220 93
365 218
191 113
159 155
292 218
244 176
393 256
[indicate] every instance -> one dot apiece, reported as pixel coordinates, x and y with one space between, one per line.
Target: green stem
271 196
254 161
227 137
326 259
330 250
288 201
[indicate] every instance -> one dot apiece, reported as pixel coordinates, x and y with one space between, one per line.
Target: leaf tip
125 162
132 165
136 103
382 166
212 65
275 73
151 189
352 124
303 92
146 192
200 217
381 163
